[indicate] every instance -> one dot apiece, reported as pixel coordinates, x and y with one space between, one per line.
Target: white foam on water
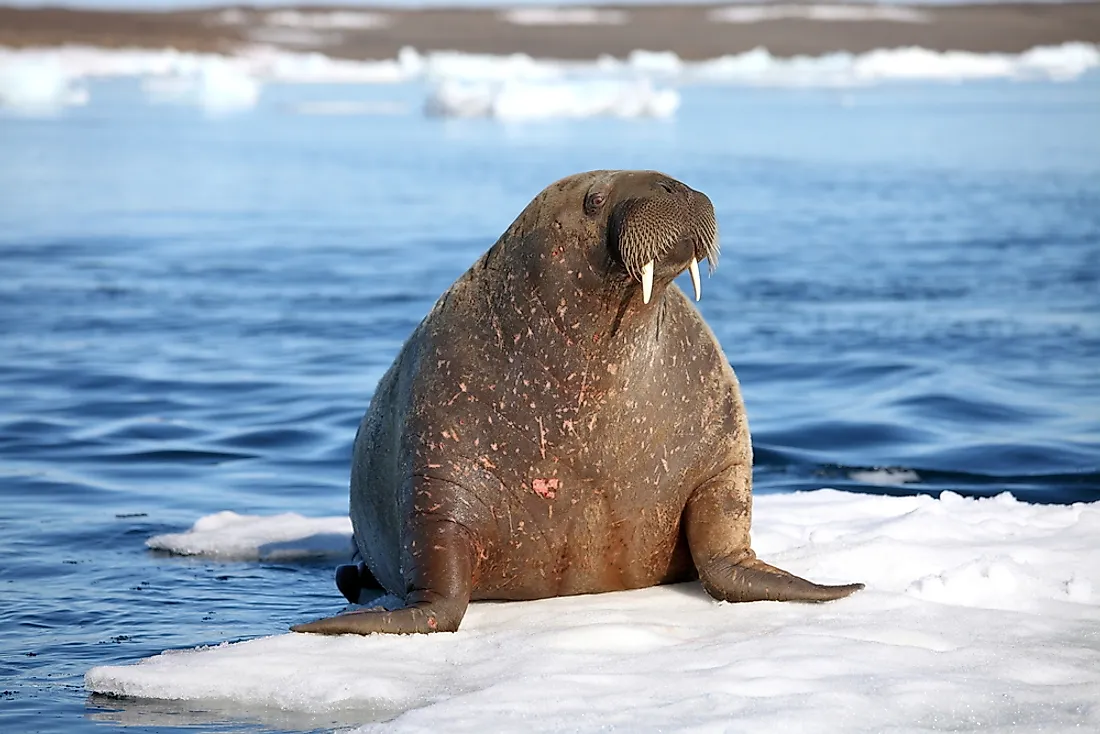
51 78
523 100
564 16
842 13
979 614
230 536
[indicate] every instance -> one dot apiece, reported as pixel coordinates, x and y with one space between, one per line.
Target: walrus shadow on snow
562 422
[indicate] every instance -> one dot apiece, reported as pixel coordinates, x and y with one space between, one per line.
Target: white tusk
694 269
647 281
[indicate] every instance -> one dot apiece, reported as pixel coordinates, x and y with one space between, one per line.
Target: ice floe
979 614
642 84
331 20
844 13
884 477
38 86
565 16
230 536
526 100
217 86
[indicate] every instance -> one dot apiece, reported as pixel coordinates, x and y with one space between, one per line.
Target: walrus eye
593 203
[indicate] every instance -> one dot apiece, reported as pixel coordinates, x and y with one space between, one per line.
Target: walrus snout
664 230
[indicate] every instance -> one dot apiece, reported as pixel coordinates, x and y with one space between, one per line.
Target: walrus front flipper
754 580
439 559
717 519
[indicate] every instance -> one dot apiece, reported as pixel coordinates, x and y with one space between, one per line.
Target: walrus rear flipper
439 579
754 580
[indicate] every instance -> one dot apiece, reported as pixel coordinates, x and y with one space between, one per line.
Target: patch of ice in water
314 68
217 86
845 13
976 615
38 85
348 107
506 87
333 20
519 100
565 16
759 68
230 536
885 477
489 67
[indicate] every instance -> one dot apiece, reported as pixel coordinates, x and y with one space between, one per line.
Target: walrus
563 421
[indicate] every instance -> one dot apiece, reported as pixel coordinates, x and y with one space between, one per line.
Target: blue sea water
194 313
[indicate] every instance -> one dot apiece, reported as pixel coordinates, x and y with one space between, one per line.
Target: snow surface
979 614
50 79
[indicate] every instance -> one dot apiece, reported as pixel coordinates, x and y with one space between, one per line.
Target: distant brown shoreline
689 31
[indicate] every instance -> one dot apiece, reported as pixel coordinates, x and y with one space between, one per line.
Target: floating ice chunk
335 20
513 87
488 67
653 62
316 68
336 108
920 63
1068 61
303 37
38 85
564 16
846 13
225 87
217 86
229 536
885 477
977 614
519 100
232 16
760 68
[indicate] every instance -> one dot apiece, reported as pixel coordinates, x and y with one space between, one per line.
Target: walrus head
624 228
655 227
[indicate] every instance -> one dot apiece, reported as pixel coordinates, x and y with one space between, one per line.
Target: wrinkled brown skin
545 433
